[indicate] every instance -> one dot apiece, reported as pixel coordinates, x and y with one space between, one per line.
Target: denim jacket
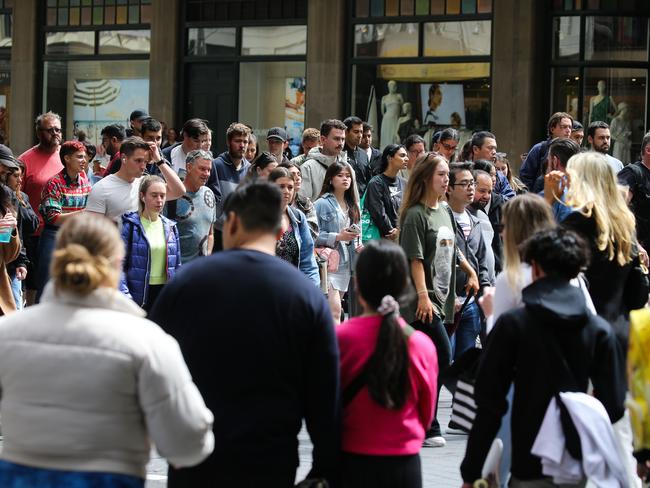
330 223
307 262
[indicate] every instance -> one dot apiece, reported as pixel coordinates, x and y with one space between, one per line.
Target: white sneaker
451 430
437 441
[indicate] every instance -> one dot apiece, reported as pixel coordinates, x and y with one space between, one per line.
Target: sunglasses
52 130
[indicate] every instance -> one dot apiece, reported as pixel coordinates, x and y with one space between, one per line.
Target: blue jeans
17 290
468 330
46 245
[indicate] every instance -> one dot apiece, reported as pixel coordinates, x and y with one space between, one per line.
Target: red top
374 430
40 167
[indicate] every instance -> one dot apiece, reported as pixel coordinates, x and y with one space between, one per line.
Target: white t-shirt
113 197
177 157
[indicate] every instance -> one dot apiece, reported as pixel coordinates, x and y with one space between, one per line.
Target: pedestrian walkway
440 466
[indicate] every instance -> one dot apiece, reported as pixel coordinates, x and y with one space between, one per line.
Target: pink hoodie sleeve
424 360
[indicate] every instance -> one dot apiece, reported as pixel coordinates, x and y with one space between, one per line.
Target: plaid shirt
62 195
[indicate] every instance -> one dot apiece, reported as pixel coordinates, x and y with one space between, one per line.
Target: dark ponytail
382 273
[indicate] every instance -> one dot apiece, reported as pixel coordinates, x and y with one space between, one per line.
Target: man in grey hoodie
332 140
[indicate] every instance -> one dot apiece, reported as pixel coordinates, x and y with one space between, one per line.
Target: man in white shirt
117 194
599 138
196 134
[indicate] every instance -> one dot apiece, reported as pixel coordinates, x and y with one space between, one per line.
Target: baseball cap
139 114
7 157
277 133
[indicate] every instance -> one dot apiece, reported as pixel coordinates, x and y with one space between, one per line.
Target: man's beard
479 205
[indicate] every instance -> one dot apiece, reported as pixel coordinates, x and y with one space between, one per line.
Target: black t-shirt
636 177
259 341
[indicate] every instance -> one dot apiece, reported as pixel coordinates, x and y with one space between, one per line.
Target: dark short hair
563 148
70 147
194 128
114 130
412 140
644 143
560 252
150 125
455 168
351 121
258 205
448 134
91 149
328 125
483 165
367 127
130 144
594 126
576 126
478 138
389 151
556 118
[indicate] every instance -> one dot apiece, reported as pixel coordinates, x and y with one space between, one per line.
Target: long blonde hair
594 192
87 254
419 180
523 216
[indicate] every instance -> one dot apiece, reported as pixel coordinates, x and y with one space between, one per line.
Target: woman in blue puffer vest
152 247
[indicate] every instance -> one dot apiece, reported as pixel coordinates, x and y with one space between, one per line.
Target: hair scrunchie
388 305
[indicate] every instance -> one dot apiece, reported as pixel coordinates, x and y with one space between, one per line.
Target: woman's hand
425 310
393 235
643 256
487 301
346 236
9 220
21 273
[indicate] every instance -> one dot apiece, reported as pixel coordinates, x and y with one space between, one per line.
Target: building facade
406 66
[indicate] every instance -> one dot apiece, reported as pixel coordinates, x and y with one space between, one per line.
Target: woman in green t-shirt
427 236
152 247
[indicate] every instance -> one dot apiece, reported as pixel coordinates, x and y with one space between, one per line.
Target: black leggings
436 331
361 471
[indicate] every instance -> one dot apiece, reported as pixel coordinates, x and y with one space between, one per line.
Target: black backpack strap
172 206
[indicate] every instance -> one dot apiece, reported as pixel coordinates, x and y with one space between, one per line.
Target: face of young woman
76 161
287 187
297 177
266 171
440 178
154 199
501 166
14 180
342 181
400 160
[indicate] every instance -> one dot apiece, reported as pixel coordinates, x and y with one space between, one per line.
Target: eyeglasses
52 130
466 184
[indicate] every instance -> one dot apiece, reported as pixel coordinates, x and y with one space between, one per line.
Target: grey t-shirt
195 214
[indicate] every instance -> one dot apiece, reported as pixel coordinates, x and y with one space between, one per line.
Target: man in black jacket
490 202
372 153
259 341
357 158
520 350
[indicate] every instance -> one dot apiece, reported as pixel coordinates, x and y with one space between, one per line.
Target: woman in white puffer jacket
87 383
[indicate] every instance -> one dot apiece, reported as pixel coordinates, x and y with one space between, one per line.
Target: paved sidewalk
440 466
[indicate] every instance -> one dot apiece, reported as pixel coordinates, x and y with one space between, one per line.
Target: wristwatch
159 163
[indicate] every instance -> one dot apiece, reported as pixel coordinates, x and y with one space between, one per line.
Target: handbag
369 231
330 255
463 407
637 286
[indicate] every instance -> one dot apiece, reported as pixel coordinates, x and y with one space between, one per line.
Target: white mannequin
391 108
621 131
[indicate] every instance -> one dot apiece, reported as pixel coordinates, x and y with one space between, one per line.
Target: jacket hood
316 154
556 302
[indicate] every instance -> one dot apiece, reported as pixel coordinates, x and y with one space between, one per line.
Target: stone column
518 62
326 29
165 58
24 69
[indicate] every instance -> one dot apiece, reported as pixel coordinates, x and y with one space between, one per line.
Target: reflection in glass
268 41
92 94
124 41
278 101
617 96
616 38
565 92
385 40
566 37
5 30
211 41
425 97
79 42
469 38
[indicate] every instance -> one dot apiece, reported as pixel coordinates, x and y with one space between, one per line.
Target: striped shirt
62 195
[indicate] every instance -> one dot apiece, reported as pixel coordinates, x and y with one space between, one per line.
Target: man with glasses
195 134
445 142
195 212
469 238
414 145
559 125
42 162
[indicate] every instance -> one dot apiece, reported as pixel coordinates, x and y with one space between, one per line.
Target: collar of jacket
556 302
102 297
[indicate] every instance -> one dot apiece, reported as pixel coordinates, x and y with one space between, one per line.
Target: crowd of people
342 288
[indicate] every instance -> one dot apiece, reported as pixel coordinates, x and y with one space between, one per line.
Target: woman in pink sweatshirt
388 374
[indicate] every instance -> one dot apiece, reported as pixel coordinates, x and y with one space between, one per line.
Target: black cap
7 157
577 126
277 133
139 114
